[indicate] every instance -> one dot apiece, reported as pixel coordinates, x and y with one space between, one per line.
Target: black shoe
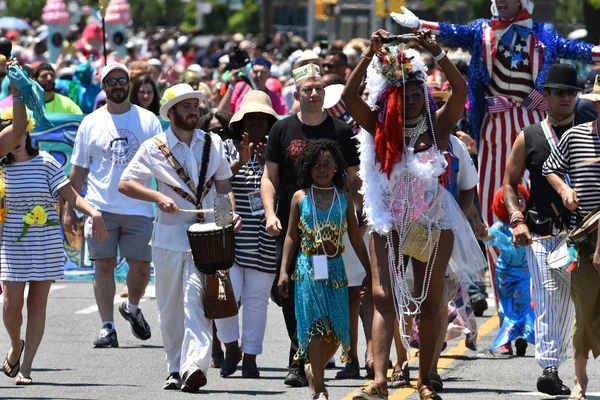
436 382
107 338
551 384
228 368
139 326
173 382
479 304
294 379
521 346
193 381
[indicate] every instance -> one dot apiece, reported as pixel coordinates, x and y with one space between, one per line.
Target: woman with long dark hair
145 94
218 122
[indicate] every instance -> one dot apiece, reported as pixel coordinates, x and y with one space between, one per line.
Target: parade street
68 367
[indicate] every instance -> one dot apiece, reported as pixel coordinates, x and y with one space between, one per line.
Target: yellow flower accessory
29 219
168 96
37 216
7 114
3 212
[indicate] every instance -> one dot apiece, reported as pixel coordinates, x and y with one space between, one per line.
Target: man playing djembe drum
177 160
576 156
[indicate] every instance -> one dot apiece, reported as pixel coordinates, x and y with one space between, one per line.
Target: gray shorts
130 234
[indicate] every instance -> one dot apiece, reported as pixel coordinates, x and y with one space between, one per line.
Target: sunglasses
113 81
330 65
564 93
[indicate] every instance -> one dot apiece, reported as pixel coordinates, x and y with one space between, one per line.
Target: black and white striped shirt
254 247
578 144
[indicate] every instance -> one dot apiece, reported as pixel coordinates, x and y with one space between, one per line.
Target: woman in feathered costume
411 215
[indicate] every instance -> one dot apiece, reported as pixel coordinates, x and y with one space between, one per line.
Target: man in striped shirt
576 157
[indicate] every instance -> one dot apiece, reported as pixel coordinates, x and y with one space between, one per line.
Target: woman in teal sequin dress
322 213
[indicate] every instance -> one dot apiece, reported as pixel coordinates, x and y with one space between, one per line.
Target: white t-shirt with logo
105 144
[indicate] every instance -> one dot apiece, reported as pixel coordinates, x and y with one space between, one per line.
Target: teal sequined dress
322 305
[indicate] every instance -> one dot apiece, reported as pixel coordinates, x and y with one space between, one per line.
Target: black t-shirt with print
286 140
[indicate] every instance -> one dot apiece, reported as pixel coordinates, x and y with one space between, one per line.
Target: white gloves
407 19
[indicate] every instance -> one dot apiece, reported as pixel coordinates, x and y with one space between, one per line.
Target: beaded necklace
318 234
406 303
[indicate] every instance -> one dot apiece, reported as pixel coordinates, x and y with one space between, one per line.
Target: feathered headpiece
527 5
398 65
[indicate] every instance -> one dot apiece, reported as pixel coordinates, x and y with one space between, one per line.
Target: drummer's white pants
553 309
254 289
187 334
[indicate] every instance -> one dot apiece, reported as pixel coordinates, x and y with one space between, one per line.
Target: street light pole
310 21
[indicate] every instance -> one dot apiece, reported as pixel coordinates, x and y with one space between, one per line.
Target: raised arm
451 35
11 135
357 107
449 115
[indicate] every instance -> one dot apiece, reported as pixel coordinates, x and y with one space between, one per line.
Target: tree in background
24 8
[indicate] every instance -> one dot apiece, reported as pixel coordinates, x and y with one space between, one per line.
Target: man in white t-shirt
106 142
187 334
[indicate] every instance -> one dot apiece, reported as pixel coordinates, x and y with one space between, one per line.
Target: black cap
562 76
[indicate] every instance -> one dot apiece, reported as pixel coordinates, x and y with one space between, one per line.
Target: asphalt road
68 367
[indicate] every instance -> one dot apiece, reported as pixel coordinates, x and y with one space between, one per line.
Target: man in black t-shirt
553 306
286 140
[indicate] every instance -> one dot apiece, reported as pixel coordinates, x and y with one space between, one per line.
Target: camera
238 59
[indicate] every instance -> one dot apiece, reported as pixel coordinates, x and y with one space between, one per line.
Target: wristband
365 57
18 98
440 56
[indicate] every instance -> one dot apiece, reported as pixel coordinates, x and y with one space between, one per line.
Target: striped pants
554 310
498 133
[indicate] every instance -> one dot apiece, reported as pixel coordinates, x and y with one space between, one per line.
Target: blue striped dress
39 255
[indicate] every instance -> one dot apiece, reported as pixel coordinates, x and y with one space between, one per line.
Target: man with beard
106 142
177 159
45 75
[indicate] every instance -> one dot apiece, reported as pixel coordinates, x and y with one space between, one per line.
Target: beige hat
306 71
308 57
255 101
595 94
174 95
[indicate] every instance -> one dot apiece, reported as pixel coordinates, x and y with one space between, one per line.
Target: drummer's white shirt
149 161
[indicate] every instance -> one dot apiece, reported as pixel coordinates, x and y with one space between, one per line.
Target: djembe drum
213 250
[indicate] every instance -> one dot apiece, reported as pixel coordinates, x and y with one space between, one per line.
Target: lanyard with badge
319 262
254 175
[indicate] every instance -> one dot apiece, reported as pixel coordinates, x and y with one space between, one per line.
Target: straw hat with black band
255 101
595 94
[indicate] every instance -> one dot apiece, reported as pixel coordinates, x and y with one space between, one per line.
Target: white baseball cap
112 67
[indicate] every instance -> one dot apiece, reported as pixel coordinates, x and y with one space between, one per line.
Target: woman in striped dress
255 263
31 247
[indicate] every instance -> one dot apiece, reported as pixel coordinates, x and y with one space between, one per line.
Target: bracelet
515 214
440 56
18 98
365 57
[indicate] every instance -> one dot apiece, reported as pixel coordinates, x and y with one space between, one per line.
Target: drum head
588 225
558 257
207 227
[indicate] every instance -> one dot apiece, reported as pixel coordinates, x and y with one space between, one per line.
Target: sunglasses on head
113 81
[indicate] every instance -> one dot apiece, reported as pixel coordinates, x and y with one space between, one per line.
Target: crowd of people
449 157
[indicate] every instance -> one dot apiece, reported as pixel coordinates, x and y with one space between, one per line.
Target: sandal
401 378
11 370
372 391
350 371
23 380
428 393
317 396
436 382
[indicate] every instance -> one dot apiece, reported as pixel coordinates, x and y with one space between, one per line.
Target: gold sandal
428 393
372 391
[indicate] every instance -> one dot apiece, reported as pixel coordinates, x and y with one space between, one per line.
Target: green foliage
570 11
246 20
594 3
214 23
24 8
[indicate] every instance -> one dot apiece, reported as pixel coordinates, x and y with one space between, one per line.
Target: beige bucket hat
255 101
